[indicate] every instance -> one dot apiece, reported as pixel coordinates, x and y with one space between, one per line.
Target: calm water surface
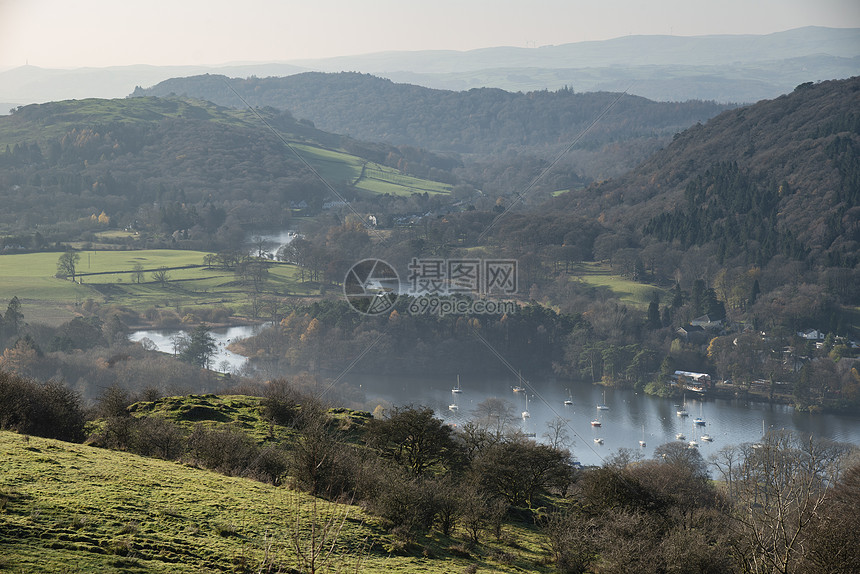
729 422
163 339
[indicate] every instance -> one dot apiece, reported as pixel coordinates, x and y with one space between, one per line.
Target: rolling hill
75 507
66 160
479 123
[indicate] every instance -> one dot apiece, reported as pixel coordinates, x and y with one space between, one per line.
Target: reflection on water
224 360
729 422
271 242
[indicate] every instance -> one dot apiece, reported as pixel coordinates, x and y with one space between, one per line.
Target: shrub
322 465
155 436
49 410
270 465
285 405
228 451
406 503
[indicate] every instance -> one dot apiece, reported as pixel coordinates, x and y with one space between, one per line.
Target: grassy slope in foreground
72 508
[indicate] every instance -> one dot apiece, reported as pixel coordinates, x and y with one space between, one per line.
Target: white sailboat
602 406
642 442
456 390
693 443
699 420
682 412
681 436
569 400
706 438
526 413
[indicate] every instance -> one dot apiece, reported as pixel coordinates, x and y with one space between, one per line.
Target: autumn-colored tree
20 358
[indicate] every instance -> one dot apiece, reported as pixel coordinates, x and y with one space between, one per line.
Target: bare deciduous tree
161 275
137 273
66 264
778 487
557 435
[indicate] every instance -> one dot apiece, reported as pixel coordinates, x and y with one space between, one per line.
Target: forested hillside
481 122
167 165
781 177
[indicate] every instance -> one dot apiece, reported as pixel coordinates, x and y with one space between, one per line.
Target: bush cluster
49 410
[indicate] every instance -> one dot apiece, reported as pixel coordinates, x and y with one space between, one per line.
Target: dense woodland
488 124
481 121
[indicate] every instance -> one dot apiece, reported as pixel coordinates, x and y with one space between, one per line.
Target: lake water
272 241
163 340
729 422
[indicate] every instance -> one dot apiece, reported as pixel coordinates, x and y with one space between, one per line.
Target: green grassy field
382 179
73 508
629 292
339 167
114 234
217 410
108 277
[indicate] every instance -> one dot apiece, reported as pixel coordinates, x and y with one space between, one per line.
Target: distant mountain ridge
724 68
724 83
484 122
639 50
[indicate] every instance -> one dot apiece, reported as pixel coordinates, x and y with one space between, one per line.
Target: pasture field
335 167
74 508
109 277
600 275
382 179
338 167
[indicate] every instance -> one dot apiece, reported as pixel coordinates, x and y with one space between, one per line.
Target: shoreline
234 322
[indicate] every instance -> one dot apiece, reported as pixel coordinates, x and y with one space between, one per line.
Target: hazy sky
76 33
